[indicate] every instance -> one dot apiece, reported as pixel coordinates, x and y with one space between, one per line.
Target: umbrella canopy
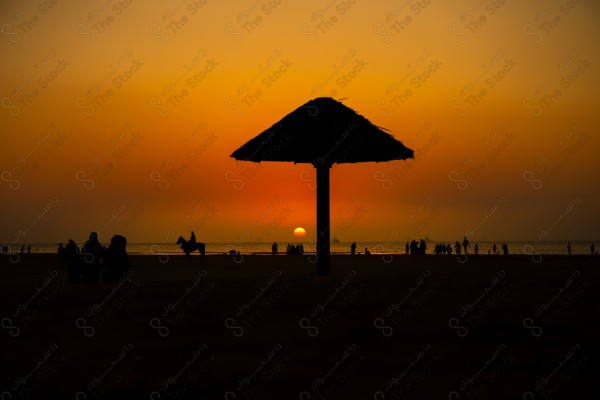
323 132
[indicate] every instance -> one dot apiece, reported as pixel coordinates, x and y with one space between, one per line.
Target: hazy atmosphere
120 117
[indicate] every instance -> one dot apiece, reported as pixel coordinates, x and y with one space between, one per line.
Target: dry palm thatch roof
323 132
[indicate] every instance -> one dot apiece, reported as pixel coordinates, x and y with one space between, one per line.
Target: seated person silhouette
116 260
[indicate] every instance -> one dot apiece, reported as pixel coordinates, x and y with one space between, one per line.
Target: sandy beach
264 327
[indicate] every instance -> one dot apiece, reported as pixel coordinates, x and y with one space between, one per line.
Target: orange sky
120 117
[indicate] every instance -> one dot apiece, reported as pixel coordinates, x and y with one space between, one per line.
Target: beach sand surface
266 327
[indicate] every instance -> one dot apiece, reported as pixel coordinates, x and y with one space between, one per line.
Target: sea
514 247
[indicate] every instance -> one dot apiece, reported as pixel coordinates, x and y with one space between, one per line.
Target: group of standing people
93 262
292 250
463 248
459 247
416 248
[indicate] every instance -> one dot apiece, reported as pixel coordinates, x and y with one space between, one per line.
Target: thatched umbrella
323 132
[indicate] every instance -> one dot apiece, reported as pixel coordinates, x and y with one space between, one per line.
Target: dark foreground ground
263 327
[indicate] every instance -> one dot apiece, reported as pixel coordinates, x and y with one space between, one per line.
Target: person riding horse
191 245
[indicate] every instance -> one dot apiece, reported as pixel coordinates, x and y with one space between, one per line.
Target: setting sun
299 232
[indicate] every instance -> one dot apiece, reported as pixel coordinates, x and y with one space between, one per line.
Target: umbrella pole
323 243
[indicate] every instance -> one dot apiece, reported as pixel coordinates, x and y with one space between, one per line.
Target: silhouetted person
457 247
274 248
192 238
422 247
73 262
353 248
505 249
288 249
92 259
443 248
440 249
407 248
22 250
414 247
449 249
569 248
494 248
367 252
476 249
116 260
466 245
592 249
28 249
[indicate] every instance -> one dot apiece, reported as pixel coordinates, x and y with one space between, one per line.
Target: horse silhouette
188 247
